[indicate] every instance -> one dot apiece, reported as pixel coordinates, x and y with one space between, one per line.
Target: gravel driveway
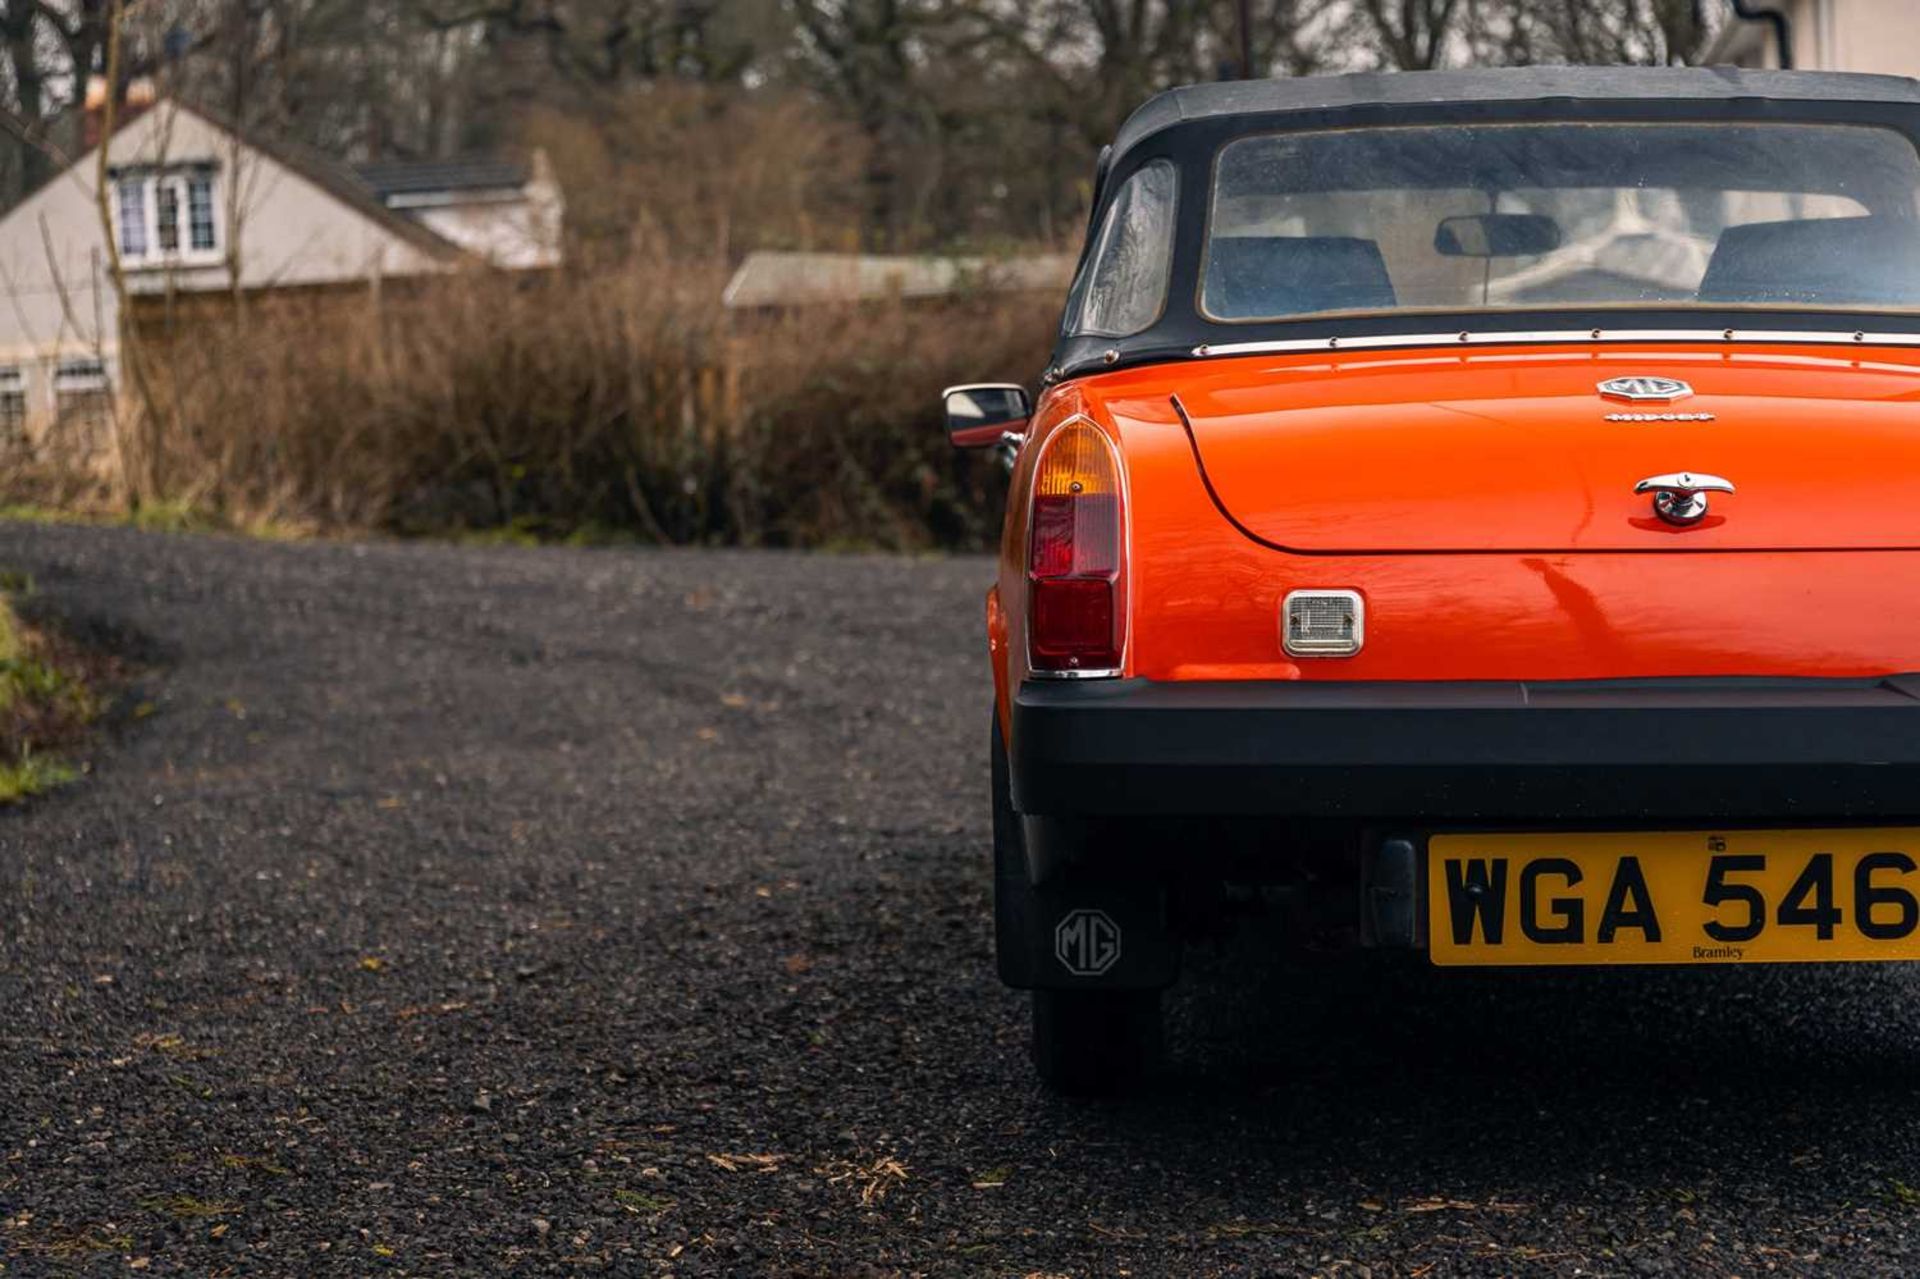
449 911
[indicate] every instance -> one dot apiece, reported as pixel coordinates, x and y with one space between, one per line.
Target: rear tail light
1076 556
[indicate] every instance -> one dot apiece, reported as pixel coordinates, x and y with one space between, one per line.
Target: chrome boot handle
1681 498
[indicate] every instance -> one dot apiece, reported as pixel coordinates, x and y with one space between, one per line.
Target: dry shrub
617 402
615 397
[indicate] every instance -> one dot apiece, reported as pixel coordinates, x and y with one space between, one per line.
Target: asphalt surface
434 910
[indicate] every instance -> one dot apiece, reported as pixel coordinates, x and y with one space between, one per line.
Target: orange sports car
1478 510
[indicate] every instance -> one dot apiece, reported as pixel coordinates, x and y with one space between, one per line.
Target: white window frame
179 180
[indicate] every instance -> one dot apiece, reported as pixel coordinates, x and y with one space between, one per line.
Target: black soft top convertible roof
1361 92
1186 127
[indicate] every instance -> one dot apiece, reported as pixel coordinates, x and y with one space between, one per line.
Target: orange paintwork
1485 508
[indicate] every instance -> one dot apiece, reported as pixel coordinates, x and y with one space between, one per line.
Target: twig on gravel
1437 1203
749 1163
1241 1228
1117 1232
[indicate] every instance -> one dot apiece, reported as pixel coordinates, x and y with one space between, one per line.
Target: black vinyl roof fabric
1189 129
1507 84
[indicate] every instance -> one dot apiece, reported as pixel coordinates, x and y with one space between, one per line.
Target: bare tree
1411 35
1650 32
50 51
1295 37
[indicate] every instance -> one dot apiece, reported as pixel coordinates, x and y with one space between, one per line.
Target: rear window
1125 282
1459 217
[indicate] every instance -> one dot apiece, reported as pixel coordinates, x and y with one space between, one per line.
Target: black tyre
1095 1043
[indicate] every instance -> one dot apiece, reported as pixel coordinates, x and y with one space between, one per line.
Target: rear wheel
1095 1042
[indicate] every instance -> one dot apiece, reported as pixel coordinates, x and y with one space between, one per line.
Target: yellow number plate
1751 897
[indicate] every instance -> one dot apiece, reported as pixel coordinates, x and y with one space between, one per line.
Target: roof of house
367 189
333 177
392 178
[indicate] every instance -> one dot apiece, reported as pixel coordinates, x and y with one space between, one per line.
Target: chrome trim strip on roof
1521 337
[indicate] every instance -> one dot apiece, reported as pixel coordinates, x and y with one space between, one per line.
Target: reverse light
1323 623
1076 557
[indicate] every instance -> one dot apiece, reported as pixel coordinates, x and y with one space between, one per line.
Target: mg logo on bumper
1087 943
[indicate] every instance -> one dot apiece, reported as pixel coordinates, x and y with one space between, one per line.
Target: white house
1881 36
506 212
197 205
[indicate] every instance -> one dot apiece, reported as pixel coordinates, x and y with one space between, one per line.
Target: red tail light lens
1076 555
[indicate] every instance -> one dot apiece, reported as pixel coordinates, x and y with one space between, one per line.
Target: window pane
1463 217
82 409
133 217
80 374
200 213
169 197
1126 281
13 412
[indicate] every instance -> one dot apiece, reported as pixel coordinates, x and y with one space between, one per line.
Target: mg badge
1642 390
1087 943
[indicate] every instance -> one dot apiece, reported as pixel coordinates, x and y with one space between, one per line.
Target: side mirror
984 415
1496 235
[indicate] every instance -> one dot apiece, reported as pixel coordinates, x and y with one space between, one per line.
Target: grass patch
45 707
152 517
24 1236
32 513
33 775
188 1208
639 1201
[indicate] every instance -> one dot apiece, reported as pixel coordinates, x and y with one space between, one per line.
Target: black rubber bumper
1780 751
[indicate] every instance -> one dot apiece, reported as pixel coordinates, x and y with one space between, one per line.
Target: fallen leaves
875 1180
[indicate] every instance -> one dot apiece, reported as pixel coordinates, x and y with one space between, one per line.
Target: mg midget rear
1479 512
